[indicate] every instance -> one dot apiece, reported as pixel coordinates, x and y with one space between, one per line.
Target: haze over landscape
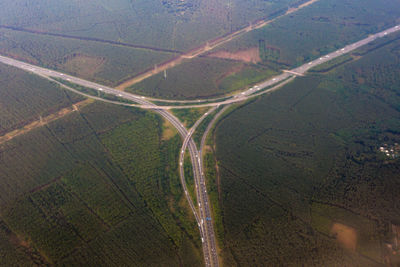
200 133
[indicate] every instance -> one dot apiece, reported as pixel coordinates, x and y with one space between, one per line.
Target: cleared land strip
43 121
143 102
207 47
209 247
144 47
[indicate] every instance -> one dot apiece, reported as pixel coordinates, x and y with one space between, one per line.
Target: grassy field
189 116
116 198
301 179
287 42
202 78
320 28
104 63
25 98
172 24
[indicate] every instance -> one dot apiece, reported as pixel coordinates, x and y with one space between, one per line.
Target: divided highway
241 96
206 230
203 215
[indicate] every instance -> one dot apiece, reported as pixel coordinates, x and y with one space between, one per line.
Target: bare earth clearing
251 55
86 66
43 121
345 235
204 48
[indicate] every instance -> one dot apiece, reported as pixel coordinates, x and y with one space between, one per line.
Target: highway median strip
93 92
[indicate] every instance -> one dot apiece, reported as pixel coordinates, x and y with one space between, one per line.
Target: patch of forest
300 166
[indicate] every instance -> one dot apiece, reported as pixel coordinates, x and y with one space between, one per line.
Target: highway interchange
203 213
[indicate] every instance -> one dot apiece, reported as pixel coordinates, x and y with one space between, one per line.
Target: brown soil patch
24 244
251 55
43 121
208 149
169 130
203 48
345 235
86 66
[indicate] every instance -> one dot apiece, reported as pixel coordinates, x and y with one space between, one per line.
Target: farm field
104 63
318 29
170 24
307 175
303 177
25 98
202 78
257 55
115 200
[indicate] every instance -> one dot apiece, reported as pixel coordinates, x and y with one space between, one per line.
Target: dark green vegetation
172 24
189 116
25 97
188 171
298 165
201 128
287 42
315 30
332 64
104 63
96 187
202 78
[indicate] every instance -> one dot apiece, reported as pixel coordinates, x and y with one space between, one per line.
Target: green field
318 29
202 78
116 198
172 24
287 42
297 163
298 177
103 63
189 116
25 97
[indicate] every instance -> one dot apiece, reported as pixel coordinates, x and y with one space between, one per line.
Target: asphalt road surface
241 96
204 217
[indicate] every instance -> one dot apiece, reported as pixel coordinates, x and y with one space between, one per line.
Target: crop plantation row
170 24
257 55
302 166
25 97
202 78
316 30
96 187
104 63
